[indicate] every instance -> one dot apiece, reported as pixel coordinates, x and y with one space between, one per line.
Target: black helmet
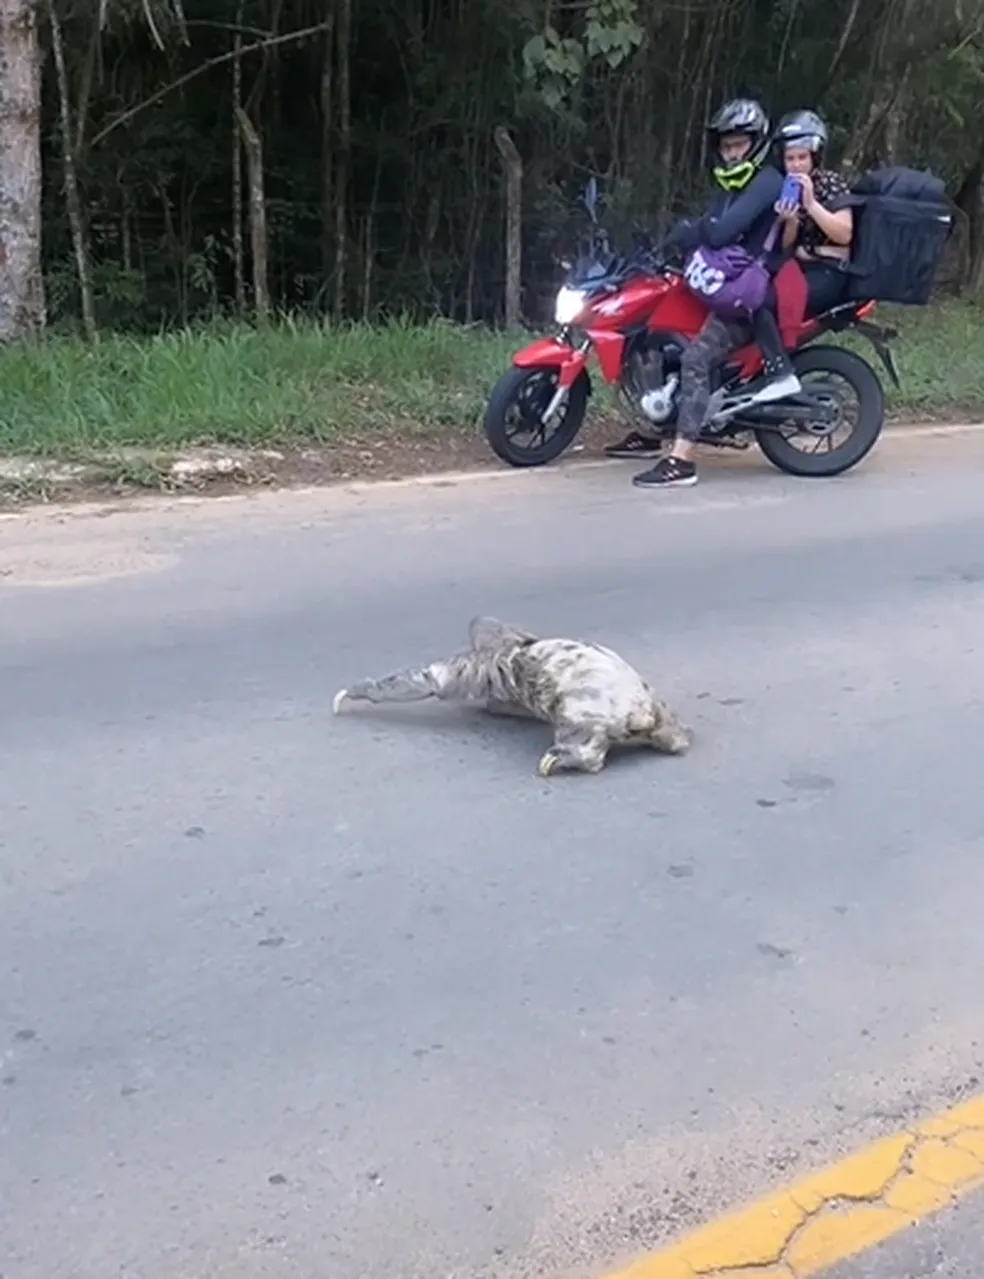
740 115
805 129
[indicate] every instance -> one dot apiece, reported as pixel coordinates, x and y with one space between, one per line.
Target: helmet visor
806 141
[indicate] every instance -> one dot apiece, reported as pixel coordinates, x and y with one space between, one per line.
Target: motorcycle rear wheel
826 463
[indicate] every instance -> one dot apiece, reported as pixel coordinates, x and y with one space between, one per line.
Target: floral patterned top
834 194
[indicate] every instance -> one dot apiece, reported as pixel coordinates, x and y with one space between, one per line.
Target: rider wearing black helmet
742 211
739 139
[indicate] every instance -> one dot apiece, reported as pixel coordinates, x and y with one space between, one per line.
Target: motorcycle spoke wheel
825 449
524 417
837 392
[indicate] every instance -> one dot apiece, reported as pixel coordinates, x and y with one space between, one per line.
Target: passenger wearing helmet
742 211
819 227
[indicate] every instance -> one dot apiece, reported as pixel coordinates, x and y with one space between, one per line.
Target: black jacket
745 217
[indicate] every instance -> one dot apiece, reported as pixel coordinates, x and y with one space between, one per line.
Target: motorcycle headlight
569 305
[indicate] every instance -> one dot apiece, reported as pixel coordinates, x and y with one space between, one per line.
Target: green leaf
533 54
599 39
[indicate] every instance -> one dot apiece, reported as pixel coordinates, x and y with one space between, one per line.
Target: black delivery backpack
902 219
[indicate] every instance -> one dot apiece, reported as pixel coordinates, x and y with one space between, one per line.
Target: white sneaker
778 389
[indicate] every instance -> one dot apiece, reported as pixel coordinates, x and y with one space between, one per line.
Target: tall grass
290 383
304 383
940 354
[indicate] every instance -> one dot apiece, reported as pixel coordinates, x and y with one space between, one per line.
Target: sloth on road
593 698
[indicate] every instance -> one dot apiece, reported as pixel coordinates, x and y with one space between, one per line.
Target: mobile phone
791 194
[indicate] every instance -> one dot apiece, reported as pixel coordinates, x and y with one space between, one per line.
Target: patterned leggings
711 345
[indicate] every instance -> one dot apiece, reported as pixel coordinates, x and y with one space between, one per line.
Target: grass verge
288 385
302 385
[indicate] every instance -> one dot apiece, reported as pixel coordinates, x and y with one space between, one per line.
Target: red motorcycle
637 314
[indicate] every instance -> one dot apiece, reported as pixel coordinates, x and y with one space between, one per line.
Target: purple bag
729 281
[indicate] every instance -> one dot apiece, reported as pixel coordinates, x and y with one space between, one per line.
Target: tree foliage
382 184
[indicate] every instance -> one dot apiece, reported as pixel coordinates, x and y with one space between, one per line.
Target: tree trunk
344 11
369 241
126 230
970 201
513 163
893 129
22 312
257 214
881 128
328 149
845 38
73 200
857 152
975 272
238 255
86 81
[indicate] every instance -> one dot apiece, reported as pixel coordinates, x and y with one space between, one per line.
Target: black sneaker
635 445
669 472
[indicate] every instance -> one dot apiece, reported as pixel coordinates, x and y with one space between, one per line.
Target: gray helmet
802 128
740 115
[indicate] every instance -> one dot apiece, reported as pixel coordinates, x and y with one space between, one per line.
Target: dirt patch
218 471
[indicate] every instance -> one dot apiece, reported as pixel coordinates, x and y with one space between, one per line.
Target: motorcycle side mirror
591 199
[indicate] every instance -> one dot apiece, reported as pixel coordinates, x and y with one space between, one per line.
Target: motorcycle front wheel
513 420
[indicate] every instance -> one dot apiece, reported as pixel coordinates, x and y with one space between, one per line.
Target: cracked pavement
842 1211
947 1246
294 995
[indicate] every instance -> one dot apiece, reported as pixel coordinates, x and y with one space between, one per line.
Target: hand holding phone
790 198
791 195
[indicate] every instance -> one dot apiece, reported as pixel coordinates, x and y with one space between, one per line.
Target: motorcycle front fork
560 396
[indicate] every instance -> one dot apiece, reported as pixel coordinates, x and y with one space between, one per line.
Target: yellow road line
838 1212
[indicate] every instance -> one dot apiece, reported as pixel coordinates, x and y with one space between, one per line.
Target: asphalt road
356 998
950 1246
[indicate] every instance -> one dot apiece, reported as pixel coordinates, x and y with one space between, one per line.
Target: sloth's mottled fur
593 698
